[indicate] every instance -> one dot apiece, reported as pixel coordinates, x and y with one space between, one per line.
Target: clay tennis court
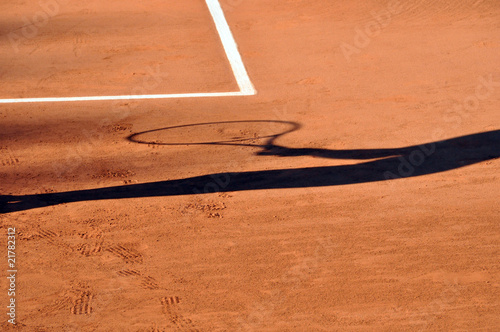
241 165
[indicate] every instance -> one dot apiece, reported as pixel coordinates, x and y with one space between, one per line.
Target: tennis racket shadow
391 165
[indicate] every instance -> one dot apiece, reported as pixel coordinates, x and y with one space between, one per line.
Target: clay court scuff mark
92 246
91 234
8 158
90 249
445 155
144 282
82 304
154 328
46 234
128 273
170 308
10 161
129 255
81 39
149 283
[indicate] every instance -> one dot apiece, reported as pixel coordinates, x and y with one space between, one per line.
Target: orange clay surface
298 237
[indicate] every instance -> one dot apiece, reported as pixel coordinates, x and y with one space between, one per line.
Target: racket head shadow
243 132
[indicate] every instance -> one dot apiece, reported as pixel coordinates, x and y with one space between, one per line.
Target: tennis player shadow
391 165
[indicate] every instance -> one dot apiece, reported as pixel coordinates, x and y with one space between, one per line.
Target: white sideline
234 57
232 53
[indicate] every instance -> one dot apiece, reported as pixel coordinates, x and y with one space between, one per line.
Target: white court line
232 53
234 57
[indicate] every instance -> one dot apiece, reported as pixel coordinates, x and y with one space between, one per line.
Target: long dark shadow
398 163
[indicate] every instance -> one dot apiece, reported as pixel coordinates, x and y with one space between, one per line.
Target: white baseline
232 53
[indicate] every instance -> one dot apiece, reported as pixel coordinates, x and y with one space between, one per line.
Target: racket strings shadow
412 161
